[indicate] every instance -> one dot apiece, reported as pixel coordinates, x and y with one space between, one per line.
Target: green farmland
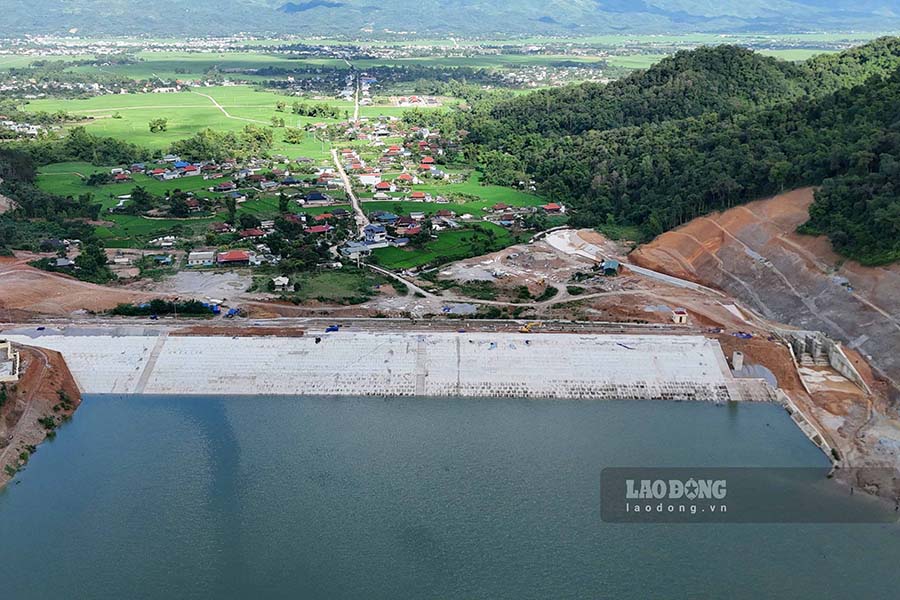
448 247
192 65
126 116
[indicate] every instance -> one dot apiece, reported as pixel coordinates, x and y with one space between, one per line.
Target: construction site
570 314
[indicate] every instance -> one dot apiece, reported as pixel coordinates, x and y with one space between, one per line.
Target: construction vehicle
526 328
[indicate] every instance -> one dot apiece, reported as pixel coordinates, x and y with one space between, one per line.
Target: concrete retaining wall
820 347
406 364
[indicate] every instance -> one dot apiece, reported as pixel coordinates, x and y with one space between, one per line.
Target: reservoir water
251 497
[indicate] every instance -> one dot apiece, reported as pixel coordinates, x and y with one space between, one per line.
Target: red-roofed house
252 233
427 160
552 207
323 217
411 230
319 229
418 196
233 257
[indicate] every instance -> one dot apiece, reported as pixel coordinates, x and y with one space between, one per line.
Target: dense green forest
705 130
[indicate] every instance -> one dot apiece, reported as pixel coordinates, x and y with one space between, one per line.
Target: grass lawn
448 247
345 286
130 231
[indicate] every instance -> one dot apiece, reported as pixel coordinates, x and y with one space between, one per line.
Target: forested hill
690 83
656 150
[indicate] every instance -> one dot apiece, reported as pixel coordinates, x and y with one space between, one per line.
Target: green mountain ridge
447 17
705 130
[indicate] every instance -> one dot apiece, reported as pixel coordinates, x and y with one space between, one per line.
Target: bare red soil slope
754 253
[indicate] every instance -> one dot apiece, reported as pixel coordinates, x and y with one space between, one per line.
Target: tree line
705 130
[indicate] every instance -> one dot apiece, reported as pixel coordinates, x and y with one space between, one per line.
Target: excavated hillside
754 253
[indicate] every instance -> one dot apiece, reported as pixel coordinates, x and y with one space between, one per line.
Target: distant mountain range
443 17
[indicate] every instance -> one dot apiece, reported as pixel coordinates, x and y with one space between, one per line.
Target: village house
234 258
356 250
281 284
409 230
369 179
384 217
201 258
252 234
375 234
221 228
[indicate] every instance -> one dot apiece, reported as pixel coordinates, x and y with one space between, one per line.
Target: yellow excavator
528 327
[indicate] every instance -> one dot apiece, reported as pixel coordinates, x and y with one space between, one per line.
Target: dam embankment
670 367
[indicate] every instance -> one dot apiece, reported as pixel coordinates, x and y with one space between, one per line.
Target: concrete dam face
404 364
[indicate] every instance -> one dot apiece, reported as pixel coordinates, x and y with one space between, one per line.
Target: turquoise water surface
253 497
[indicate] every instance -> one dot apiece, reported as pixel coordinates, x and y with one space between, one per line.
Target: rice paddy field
126 116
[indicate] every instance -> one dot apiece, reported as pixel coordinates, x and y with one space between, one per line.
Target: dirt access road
754 253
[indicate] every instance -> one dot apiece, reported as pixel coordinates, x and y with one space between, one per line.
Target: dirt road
227 114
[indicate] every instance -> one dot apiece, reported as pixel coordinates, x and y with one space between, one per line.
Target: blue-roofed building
610 267
355 250
385 217
375 234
